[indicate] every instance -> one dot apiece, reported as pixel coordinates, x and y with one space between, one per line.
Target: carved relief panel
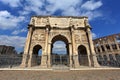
77 38
38 36
84 38
41 21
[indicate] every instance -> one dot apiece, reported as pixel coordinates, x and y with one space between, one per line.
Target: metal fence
60 60
103 61
10 61
14 61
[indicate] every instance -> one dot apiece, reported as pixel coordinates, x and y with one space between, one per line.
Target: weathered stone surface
45 30
108 50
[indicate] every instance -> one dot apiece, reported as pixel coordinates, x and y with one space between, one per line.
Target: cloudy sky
104 16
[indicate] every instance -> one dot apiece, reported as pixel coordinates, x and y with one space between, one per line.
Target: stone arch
107 47
67 37
111 60
105 59
100 59
102 47
82 55
65 56
36 58
98 49
117 56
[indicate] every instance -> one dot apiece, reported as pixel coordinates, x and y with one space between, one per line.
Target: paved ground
60 75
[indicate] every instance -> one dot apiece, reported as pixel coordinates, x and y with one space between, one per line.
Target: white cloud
15 32
49 7
39 7
91 5
59 47
16 41
12 3
66 7
92 14
33 6
8 21
71 11
94 35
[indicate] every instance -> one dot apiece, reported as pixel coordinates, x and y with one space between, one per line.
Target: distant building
7 50
108 50
9 57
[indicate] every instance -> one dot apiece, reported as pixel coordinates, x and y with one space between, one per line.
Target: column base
24 61
44 61
76 63
95 62
23 65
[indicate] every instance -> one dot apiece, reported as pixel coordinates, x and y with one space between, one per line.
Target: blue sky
104 16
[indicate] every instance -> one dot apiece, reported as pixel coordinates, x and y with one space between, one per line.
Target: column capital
30 26
72 28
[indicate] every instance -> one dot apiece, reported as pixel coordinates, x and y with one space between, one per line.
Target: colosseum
108 50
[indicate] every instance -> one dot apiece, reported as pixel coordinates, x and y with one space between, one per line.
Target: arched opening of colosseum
117 56
36 56
82 56
114 46
108 47
60 51
111 57
102 48
105 60
100 59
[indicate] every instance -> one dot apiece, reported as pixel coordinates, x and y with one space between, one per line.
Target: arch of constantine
44 31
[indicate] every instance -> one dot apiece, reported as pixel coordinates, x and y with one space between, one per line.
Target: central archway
60 51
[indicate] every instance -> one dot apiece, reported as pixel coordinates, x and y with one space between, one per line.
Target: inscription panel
57 22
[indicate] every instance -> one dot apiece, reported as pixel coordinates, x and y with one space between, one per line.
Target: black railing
10 61
60 60
110 63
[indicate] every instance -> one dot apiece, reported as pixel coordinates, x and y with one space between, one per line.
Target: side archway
82 56
36 55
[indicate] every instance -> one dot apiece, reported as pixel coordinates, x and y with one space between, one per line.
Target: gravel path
60 75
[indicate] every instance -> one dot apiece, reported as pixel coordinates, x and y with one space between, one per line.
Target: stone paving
98 74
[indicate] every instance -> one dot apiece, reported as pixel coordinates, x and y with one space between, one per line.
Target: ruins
108 50
6 50
9 56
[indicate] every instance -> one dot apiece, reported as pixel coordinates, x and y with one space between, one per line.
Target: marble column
49 56
70 56
93 54
100 49
89 57
110 47
75 55
27 47
44 55
105 47
117 46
